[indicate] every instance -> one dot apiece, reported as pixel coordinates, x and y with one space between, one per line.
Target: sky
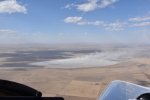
74 21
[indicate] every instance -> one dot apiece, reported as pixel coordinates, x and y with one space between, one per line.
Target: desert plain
75 74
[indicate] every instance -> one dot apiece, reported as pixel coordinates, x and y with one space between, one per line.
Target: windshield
74 48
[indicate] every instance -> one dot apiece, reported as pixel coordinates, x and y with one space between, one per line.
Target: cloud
7 31
69 6
11 6
74 19
141 24
116 26
91 5
113 26
106 3
139 19
96 23
82 21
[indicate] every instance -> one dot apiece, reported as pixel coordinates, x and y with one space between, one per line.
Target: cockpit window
74 48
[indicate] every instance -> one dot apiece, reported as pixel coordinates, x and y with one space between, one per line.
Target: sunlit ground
78 75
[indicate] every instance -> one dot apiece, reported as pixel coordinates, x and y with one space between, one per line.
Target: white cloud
91 5
82 21
11 6
74 19
139 19
115 26
96 23
7 31
69 6
141 24
106 3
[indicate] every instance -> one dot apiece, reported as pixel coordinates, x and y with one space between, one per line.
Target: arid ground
79 83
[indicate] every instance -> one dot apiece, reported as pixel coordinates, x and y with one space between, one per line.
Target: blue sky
74 21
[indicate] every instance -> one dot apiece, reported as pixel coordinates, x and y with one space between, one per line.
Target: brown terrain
76 83
80 84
